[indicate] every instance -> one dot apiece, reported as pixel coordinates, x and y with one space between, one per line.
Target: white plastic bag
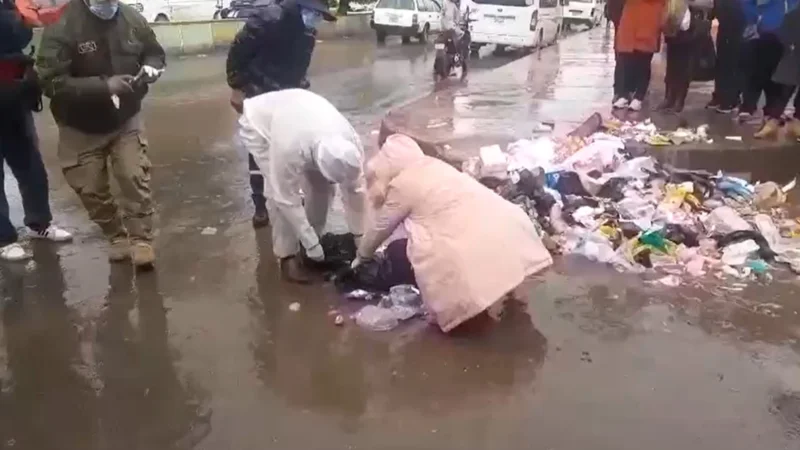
724 220
788 250
527 154
737 254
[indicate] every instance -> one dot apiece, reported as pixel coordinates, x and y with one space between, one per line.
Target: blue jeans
19 148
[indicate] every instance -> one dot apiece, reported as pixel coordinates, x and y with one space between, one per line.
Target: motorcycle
451 54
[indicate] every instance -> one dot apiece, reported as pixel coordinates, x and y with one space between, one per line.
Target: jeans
19 148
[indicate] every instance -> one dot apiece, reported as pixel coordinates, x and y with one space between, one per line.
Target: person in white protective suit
304 147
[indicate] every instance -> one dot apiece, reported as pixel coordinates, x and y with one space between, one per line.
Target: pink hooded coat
468 246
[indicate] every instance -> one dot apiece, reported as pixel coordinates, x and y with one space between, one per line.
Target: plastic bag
787 250
526 154
737 254
637 210
724 220
375 318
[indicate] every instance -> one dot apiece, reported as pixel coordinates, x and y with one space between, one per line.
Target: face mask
310 18
105 10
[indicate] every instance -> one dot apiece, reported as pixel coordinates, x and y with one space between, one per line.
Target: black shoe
260 218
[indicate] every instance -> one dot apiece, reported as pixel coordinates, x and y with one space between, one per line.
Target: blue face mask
105 10
311 18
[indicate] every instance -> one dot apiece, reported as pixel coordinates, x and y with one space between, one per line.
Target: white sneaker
636 105
52 233
14 252
621 103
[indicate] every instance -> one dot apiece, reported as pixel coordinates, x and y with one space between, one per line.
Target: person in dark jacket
95 64
19 147
788 71
729 77
763 20
682 54
272 52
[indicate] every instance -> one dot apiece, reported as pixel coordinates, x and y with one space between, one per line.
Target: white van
515 23
585 12
176 10
406 18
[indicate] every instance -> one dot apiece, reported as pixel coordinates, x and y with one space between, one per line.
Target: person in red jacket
638 38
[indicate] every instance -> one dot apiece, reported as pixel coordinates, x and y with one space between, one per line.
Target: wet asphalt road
204 352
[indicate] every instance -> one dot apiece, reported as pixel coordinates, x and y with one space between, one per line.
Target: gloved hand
120 84
150 74
316 253
356 262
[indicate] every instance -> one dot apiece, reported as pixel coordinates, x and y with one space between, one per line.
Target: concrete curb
205 36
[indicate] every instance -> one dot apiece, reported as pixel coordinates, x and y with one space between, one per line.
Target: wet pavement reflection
205 353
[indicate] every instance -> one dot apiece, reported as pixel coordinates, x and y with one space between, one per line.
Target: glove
356 262
316 253
150 74
120 84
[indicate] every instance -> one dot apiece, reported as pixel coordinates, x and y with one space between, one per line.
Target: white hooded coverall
303 145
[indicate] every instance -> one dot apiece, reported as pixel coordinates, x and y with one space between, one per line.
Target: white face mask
104 9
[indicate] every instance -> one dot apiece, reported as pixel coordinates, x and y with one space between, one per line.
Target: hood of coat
339 160
398 153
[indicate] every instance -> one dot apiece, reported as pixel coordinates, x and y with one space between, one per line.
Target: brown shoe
143 255
292 270
769 130
793 127
120 250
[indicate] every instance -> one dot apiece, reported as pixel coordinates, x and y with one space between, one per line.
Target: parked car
584 12
175 10
406 18
525 24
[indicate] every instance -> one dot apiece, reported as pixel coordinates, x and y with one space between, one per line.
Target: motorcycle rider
451 18
272 52
19 146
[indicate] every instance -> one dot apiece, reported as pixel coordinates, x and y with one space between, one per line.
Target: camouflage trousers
87 160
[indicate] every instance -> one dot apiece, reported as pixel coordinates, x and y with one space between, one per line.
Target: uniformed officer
95 64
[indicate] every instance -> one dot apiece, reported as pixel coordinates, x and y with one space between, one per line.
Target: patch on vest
87 47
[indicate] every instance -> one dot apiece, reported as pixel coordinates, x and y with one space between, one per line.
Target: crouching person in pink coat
468 246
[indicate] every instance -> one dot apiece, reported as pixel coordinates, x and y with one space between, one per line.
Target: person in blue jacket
763 20
19 146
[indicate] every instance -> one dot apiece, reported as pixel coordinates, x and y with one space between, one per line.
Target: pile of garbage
589 196
647 132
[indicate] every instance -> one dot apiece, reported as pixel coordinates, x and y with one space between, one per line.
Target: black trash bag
613 189
389 269
531 185
681 235
340 250
764 252
567 183
705 59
